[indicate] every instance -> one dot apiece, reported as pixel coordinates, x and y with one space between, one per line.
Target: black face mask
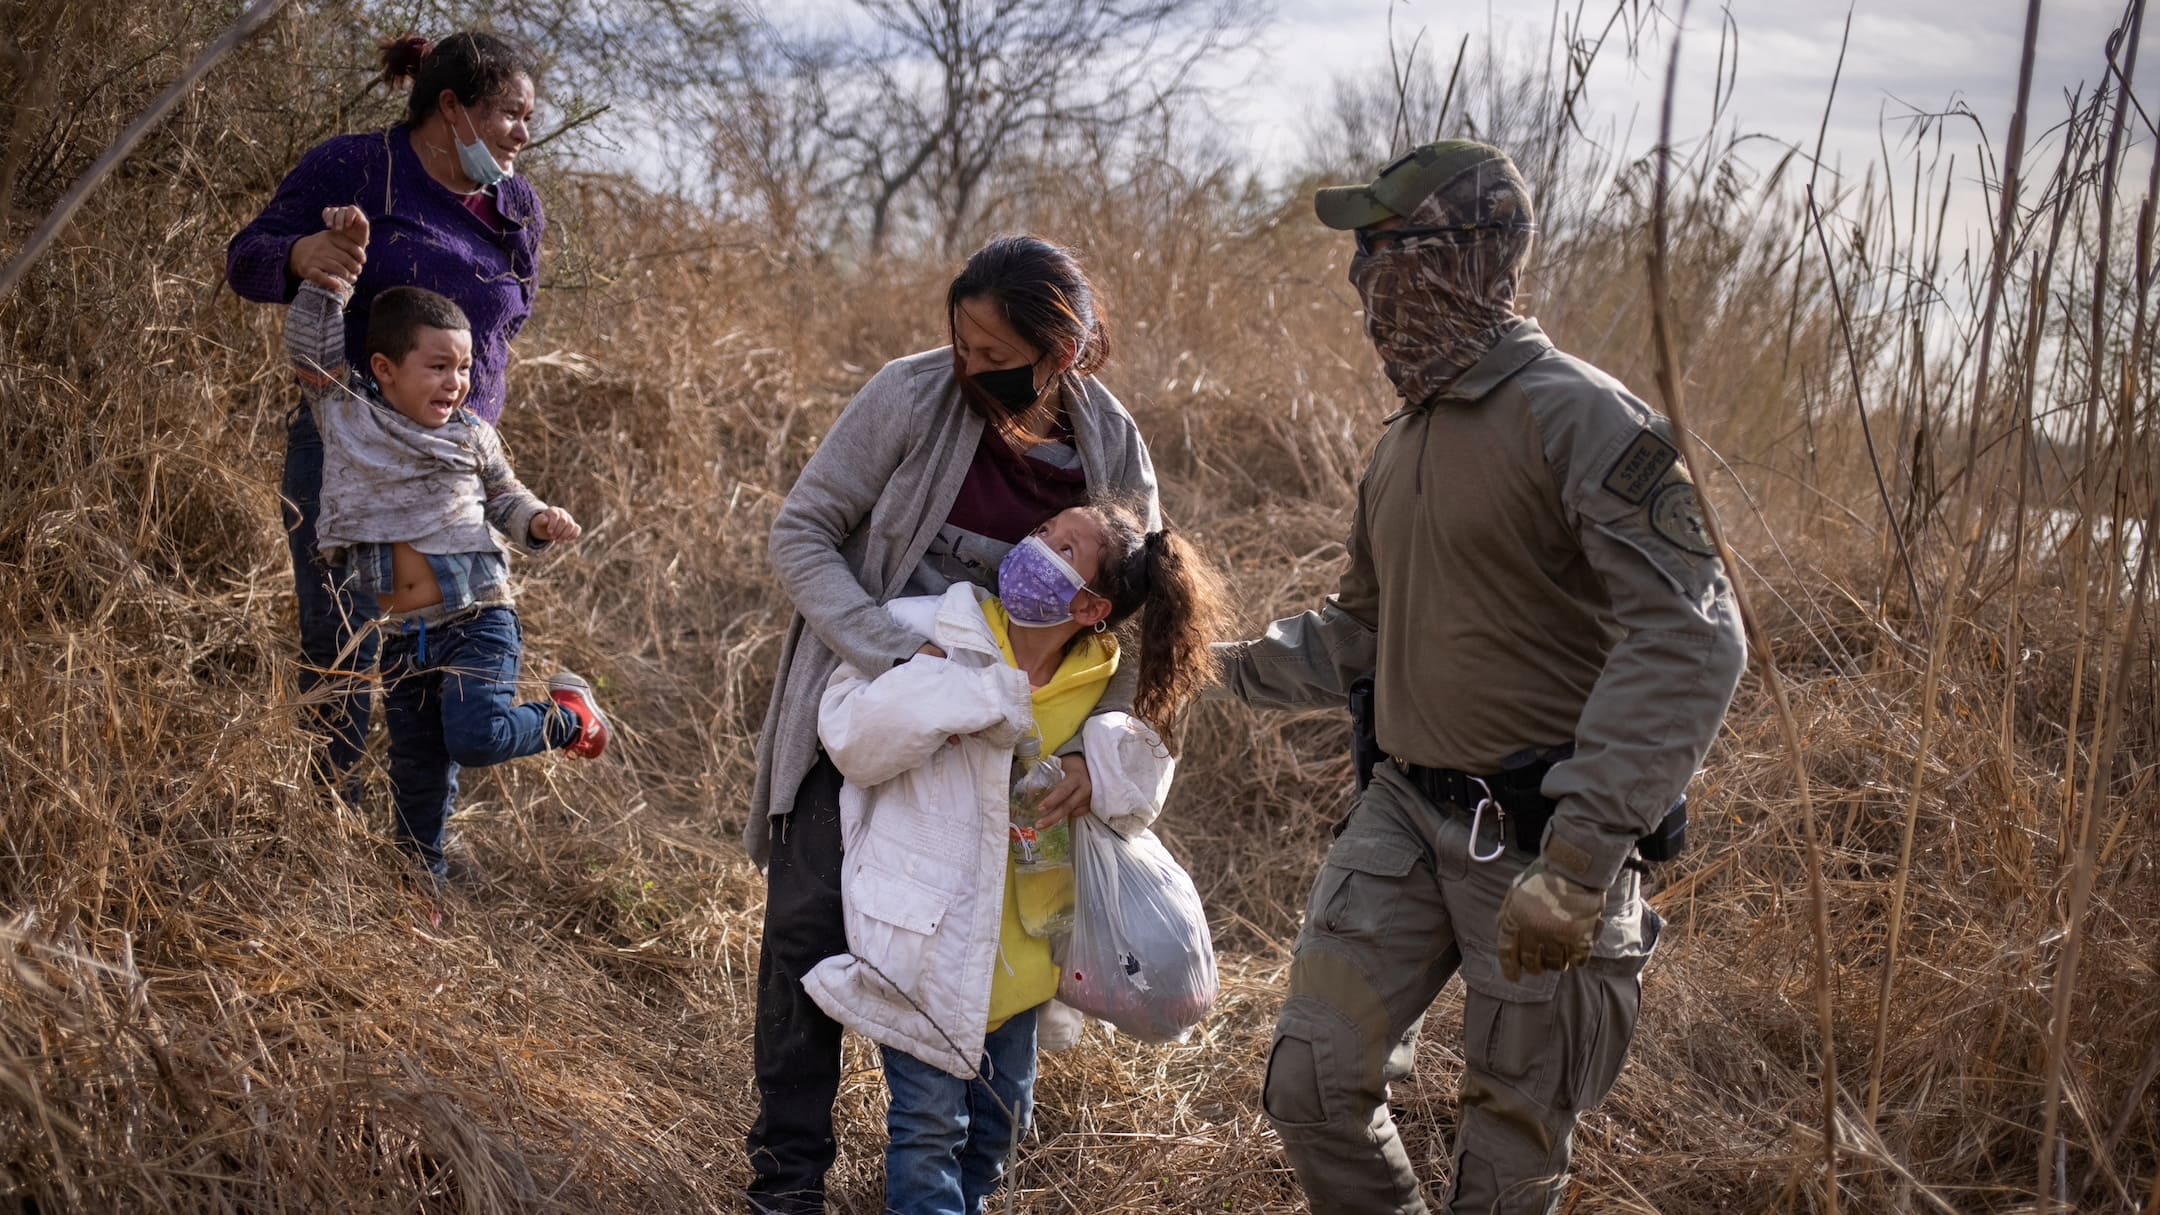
1013 387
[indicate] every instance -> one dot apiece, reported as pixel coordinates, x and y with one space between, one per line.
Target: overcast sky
1905 55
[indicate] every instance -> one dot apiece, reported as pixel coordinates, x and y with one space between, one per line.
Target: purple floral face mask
1037 586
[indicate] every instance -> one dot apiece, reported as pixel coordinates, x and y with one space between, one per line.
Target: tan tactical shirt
1528 567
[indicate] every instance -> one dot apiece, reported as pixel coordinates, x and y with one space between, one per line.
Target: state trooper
1552 644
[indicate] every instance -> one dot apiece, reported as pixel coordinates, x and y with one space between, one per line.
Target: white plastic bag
1140 956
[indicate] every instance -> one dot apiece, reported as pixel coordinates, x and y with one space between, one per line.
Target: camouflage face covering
1435 304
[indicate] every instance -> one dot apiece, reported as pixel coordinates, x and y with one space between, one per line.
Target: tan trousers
1397 910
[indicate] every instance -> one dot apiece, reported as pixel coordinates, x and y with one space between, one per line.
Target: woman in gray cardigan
940 464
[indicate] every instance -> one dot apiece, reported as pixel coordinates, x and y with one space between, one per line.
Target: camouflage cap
1493 194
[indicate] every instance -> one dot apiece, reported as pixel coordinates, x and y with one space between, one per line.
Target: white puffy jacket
923 821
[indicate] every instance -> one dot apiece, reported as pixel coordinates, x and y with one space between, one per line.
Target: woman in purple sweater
445 213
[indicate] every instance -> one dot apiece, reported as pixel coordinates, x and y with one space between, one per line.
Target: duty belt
1511 796
1514 797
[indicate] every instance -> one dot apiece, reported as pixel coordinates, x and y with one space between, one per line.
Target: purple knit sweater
421 235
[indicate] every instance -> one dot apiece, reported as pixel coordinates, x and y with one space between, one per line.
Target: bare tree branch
923 107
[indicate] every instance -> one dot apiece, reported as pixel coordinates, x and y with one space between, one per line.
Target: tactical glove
1547 922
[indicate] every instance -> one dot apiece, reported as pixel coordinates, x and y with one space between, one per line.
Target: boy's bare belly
415 581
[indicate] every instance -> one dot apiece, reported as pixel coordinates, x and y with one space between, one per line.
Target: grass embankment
217 998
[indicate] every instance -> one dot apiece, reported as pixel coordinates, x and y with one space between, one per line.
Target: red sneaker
574 694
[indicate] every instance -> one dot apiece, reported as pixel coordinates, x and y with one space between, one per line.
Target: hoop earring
1103 625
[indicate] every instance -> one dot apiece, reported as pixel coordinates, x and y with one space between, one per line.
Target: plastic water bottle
1042 856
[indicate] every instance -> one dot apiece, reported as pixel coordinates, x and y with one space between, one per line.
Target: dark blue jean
951 1138
335 690
450 702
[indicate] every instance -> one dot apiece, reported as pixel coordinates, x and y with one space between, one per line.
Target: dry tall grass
216 998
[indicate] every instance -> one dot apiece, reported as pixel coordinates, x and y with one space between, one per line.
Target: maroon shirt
1006 494
482 204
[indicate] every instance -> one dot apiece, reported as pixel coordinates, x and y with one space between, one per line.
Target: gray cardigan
857 523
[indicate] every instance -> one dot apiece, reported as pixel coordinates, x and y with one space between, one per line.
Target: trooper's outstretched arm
1310 660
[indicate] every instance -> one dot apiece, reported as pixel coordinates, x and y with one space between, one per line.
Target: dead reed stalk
215 996
1669 378
244 28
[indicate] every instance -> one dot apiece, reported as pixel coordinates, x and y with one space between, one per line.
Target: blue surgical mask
1037 586
478 163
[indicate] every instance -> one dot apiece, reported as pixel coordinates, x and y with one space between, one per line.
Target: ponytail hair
1183 607
401 58
473 65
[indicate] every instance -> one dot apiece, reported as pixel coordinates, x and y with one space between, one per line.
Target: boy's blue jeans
951 1137
450 702
330 616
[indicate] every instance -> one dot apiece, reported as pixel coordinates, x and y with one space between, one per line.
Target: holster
1670 839
1364 731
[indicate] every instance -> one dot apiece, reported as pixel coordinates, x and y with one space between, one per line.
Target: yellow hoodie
1026 975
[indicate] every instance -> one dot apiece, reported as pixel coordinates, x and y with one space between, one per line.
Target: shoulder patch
1641 466
1676 516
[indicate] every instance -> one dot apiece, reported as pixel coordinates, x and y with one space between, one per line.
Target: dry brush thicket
216 997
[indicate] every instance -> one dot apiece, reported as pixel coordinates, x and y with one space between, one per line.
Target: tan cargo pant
1399 908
